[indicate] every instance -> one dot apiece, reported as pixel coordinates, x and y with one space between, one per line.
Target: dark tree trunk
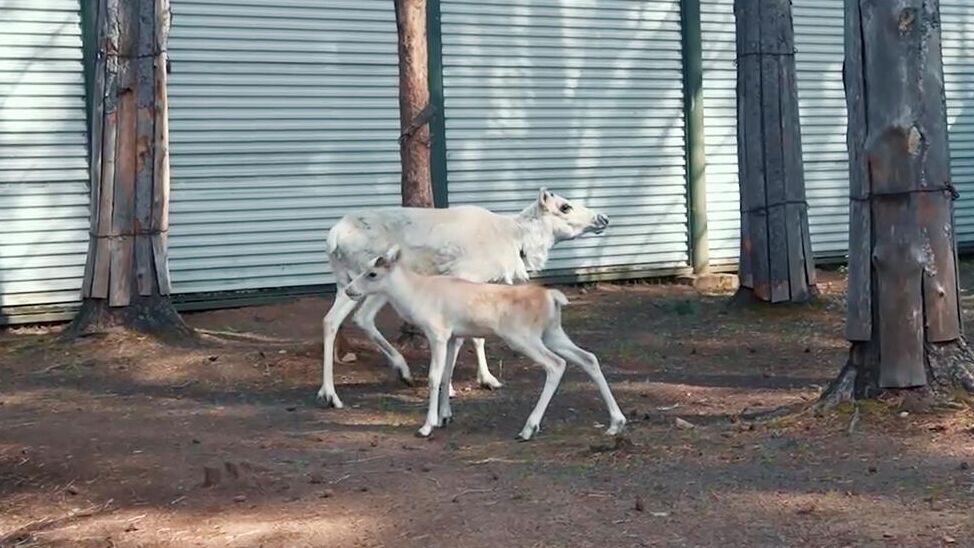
776 263
126 280
903 317
414 103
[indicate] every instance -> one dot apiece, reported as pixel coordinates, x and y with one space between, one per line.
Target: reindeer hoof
425 431
528 432
444 421
406 378
490 384
617 427
328 400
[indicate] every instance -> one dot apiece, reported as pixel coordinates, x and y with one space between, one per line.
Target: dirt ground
118 440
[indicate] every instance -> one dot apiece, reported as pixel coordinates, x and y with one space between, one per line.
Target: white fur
527 318
467 242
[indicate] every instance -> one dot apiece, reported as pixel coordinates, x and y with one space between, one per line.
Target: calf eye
565 208
372 274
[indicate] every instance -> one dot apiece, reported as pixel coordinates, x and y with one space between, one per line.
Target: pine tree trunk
414 103
126 280
415 112
776 263
903 317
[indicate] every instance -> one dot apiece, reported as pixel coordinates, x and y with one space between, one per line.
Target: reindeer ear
392 256
543 196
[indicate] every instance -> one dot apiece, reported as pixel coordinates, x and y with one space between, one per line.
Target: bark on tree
415 112
903 317
414 103
776 263
126 279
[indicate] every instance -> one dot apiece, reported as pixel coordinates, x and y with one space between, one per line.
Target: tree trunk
415 112
414 103
903 317
776 263
126 279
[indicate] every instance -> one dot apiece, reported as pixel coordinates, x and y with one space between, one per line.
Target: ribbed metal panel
584 97
957 17
283 117
43 153
819 42
720 129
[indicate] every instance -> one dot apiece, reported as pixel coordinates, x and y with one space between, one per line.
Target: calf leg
554 368
365 319
446 412
558 341
340 309
484 377
438 350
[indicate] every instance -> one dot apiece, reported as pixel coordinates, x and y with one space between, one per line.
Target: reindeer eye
372 275
565 208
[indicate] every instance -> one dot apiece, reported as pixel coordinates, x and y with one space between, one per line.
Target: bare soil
121 440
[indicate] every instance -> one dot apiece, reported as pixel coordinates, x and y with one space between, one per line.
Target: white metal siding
284 116
957 17
584 97
43 153
720 129
819 43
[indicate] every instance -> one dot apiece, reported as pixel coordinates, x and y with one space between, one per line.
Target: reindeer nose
602 220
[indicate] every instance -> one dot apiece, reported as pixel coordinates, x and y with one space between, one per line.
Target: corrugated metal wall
957 17
284 116
584 98
720 129
43 153
819 42
820 39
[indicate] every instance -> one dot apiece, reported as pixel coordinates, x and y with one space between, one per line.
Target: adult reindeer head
569 220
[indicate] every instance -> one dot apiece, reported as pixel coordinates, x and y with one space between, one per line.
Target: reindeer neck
536 237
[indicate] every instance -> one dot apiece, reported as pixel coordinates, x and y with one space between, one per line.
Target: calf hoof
328 401
425 431
528 432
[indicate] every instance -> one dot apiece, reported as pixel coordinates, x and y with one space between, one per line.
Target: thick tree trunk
126 280
776 263
414 103
903 317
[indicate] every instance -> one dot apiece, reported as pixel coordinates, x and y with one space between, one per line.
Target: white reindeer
526 317
467 242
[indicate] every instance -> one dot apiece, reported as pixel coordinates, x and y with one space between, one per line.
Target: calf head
375 279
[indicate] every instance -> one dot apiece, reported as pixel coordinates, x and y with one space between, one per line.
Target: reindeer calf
448 309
